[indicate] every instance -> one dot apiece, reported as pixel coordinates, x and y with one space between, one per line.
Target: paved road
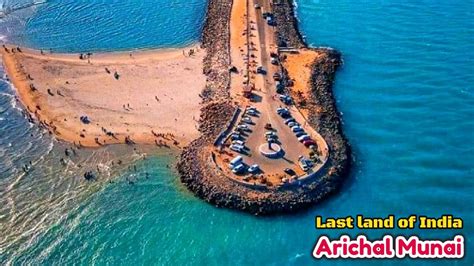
268 104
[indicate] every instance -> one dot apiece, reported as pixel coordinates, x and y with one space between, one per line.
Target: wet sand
146 97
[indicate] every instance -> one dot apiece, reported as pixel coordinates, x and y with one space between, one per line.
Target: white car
236 161
253 169
296 129
237 148
292 124
270 134
243 127
238 169
300 133
289 120
238 142
247 119
251 112
303 138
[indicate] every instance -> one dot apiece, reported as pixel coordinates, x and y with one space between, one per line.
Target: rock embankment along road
197 165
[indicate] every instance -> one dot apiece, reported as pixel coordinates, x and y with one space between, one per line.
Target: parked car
292 124
303 163
287 121
239 169
296 129
283 112
286 99
300 133
247 119
238 142
251 112
304 137
243 127
236 161
254 169
270 133
237 148
279 87
309 143
235 136
274 61
289 171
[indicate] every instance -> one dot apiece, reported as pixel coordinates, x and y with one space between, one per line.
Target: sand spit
145 97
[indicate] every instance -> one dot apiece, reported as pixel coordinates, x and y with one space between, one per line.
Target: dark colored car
289 171
309 142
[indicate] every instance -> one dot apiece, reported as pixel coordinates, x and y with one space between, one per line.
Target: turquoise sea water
406 92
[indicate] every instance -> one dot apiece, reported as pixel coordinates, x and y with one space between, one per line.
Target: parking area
272 142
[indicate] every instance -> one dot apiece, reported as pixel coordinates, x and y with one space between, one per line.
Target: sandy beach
146 97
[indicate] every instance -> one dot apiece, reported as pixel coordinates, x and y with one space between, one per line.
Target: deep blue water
406 92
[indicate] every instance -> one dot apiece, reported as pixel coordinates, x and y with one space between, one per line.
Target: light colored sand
238 43
157 91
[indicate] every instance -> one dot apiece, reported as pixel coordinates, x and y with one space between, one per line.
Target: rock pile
287 32
216 41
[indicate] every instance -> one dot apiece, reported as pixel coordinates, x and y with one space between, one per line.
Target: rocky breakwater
325 118
216 40
287 33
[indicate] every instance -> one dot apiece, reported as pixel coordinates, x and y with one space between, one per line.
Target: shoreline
56 89
212 185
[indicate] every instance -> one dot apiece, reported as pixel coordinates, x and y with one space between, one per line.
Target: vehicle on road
268 126
261 70
274 61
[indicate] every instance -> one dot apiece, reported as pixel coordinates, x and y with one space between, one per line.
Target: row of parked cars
237 137
302 136
238 166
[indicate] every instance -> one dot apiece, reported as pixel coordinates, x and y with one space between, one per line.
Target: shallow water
407 98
